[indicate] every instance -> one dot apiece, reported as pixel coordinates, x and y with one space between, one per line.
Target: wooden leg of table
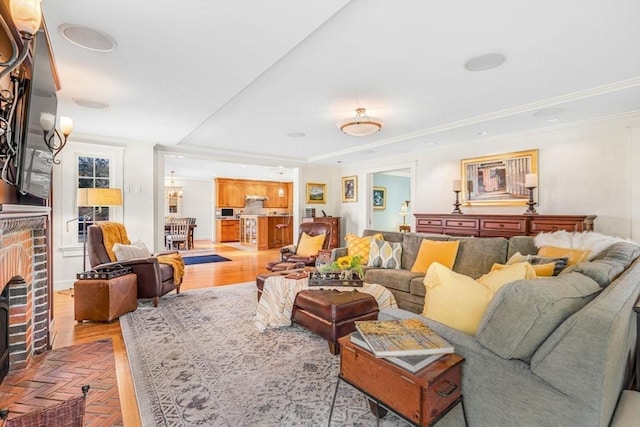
376 409
334 348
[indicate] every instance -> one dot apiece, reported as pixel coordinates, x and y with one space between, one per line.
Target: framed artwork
349 188
379 198
498 179
316 193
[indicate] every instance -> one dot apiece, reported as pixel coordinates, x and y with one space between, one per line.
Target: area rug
203 259
198 359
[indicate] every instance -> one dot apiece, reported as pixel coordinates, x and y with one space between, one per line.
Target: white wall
583 169
197 202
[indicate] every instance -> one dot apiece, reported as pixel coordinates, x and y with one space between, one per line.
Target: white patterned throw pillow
383 254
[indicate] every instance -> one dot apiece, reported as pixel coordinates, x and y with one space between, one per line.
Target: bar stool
283 228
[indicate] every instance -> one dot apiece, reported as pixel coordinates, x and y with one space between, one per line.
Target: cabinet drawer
515 226
429 222
470 224
541 226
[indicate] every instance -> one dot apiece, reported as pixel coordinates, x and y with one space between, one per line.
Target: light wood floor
243 267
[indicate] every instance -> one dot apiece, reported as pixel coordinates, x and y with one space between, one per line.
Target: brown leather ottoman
105 299
260 278
331 313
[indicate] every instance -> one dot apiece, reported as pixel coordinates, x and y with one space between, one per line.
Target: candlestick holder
531 203
457 204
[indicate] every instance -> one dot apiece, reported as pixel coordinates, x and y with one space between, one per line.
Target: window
93 172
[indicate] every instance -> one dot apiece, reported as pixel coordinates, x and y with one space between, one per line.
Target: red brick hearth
23 281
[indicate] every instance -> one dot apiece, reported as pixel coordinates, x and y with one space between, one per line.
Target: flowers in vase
344 264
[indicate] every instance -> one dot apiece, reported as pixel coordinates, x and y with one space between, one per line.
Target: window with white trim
93 172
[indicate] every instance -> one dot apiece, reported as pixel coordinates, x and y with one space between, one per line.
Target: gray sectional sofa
551 352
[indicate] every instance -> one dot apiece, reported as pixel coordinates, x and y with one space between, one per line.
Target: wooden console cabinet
500 225
334 237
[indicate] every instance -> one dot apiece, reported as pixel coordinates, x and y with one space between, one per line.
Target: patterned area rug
198 359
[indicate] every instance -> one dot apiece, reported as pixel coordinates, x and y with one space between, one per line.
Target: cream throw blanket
276 304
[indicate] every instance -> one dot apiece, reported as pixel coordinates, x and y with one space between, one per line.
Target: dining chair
178 233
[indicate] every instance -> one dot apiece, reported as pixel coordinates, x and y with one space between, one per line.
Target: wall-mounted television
34 157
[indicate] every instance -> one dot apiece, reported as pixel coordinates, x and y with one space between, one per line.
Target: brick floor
59 375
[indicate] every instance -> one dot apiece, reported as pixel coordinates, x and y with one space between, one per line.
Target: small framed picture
379 198
349 188
316 193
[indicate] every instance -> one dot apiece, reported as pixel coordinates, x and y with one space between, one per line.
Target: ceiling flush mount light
87 38
52 137
485 62
361 124
27 17
87 103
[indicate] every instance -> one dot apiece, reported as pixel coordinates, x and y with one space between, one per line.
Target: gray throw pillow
525 312
383 254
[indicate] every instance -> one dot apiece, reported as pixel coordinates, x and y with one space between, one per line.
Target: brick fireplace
24 280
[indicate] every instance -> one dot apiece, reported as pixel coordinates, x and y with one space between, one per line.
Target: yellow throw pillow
501 275
360 245
539 270
309 246
455 299
574 255
459 301
431 251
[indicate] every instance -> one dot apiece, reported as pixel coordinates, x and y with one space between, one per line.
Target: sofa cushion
433 251
603 271
523 313
574 256
360 246
383 254
477 256
310 245
393 279
523 244
623 252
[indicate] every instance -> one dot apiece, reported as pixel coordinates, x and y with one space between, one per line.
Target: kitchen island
260 231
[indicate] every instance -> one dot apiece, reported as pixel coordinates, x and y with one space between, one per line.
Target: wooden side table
422 398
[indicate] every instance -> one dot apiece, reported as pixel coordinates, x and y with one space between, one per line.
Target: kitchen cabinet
274 200
254 231
230 193
500 225
227 230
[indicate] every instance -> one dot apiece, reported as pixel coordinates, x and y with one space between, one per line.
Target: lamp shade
66 125
26 15
99 197
361 124
47 121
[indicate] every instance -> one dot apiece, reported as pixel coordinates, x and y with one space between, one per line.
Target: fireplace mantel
21 211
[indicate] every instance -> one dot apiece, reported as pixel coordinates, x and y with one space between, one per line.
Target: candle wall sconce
457 187
530 183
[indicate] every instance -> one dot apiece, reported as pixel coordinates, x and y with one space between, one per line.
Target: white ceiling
230 80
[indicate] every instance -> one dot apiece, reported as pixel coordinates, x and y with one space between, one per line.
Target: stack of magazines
407 343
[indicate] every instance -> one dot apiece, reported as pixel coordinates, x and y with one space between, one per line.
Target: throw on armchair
156 277
307 249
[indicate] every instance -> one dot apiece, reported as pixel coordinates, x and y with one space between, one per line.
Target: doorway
390 192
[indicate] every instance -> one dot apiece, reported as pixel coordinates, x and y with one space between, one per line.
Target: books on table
411 363
407 337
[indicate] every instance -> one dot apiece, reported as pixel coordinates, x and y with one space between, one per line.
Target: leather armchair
154 278
288 253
